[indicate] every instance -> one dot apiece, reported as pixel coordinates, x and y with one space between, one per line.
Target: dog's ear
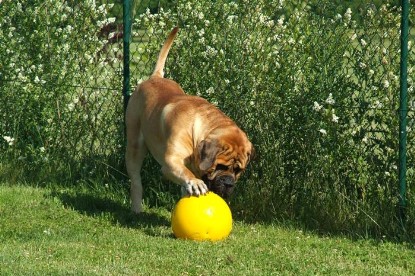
207 150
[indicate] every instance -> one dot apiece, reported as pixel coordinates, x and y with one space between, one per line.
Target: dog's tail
159 70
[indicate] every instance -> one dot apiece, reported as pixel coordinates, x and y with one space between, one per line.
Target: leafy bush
58 119
317 95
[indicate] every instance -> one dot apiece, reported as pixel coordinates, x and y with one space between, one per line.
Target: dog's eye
221 167
237 170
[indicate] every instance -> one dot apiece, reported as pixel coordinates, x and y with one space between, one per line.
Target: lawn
88 230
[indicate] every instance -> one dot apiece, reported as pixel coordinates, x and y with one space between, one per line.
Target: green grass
88 230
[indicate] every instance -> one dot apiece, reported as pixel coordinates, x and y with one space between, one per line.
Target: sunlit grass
89 230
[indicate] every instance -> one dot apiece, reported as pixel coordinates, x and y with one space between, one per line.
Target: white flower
233 5
21 77
201 32
370 12
377 104
210 91
353 37
270 23
330 99
363 42
210 51
322 131
348 14
317 106
214 38
386 84
9 140
334 118
71 106
188 7
69 29
262 18
231 18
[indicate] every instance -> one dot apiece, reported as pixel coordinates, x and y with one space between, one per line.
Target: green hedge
317 94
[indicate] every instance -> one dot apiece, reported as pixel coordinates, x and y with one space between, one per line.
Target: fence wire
60 79
315 85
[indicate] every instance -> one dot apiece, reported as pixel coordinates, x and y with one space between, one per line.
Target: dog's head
222 160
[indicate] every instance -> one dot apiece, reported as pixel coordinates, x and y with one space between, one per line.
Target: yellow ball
206 217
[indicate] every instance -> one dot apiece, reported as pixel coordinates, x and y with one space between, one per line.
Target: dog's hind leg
135 153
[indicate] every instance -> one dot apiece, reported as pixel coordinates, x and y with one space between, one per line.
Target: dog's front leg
175 170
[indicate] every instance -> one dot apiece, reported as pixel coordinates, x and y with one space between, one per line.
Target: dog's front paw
136 209
195 187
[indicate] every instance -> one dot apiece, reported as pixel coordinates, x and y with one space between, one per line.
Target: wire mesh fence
60 79
314 84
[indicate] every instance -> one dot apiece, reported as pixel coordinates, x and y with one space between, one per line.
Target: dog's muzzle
221 185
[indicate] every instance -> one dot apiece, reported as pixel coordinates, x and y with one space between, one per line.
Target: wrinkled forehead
235 151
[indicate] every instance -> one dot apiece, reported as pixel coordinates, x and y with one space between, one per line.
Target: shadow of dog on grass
153 223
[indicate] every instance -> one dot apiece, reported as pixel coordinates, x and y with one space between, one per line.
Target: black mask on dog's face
222 185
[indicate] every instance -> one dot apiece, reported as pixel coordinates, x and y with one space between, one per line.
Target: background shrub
59 90
317 95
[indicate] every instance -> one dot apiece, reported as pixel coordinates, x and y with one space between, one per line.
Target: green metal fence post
403 108
126 50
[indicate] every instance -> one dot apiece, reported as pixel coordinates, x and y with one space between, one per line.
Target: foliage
316 94
54 64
